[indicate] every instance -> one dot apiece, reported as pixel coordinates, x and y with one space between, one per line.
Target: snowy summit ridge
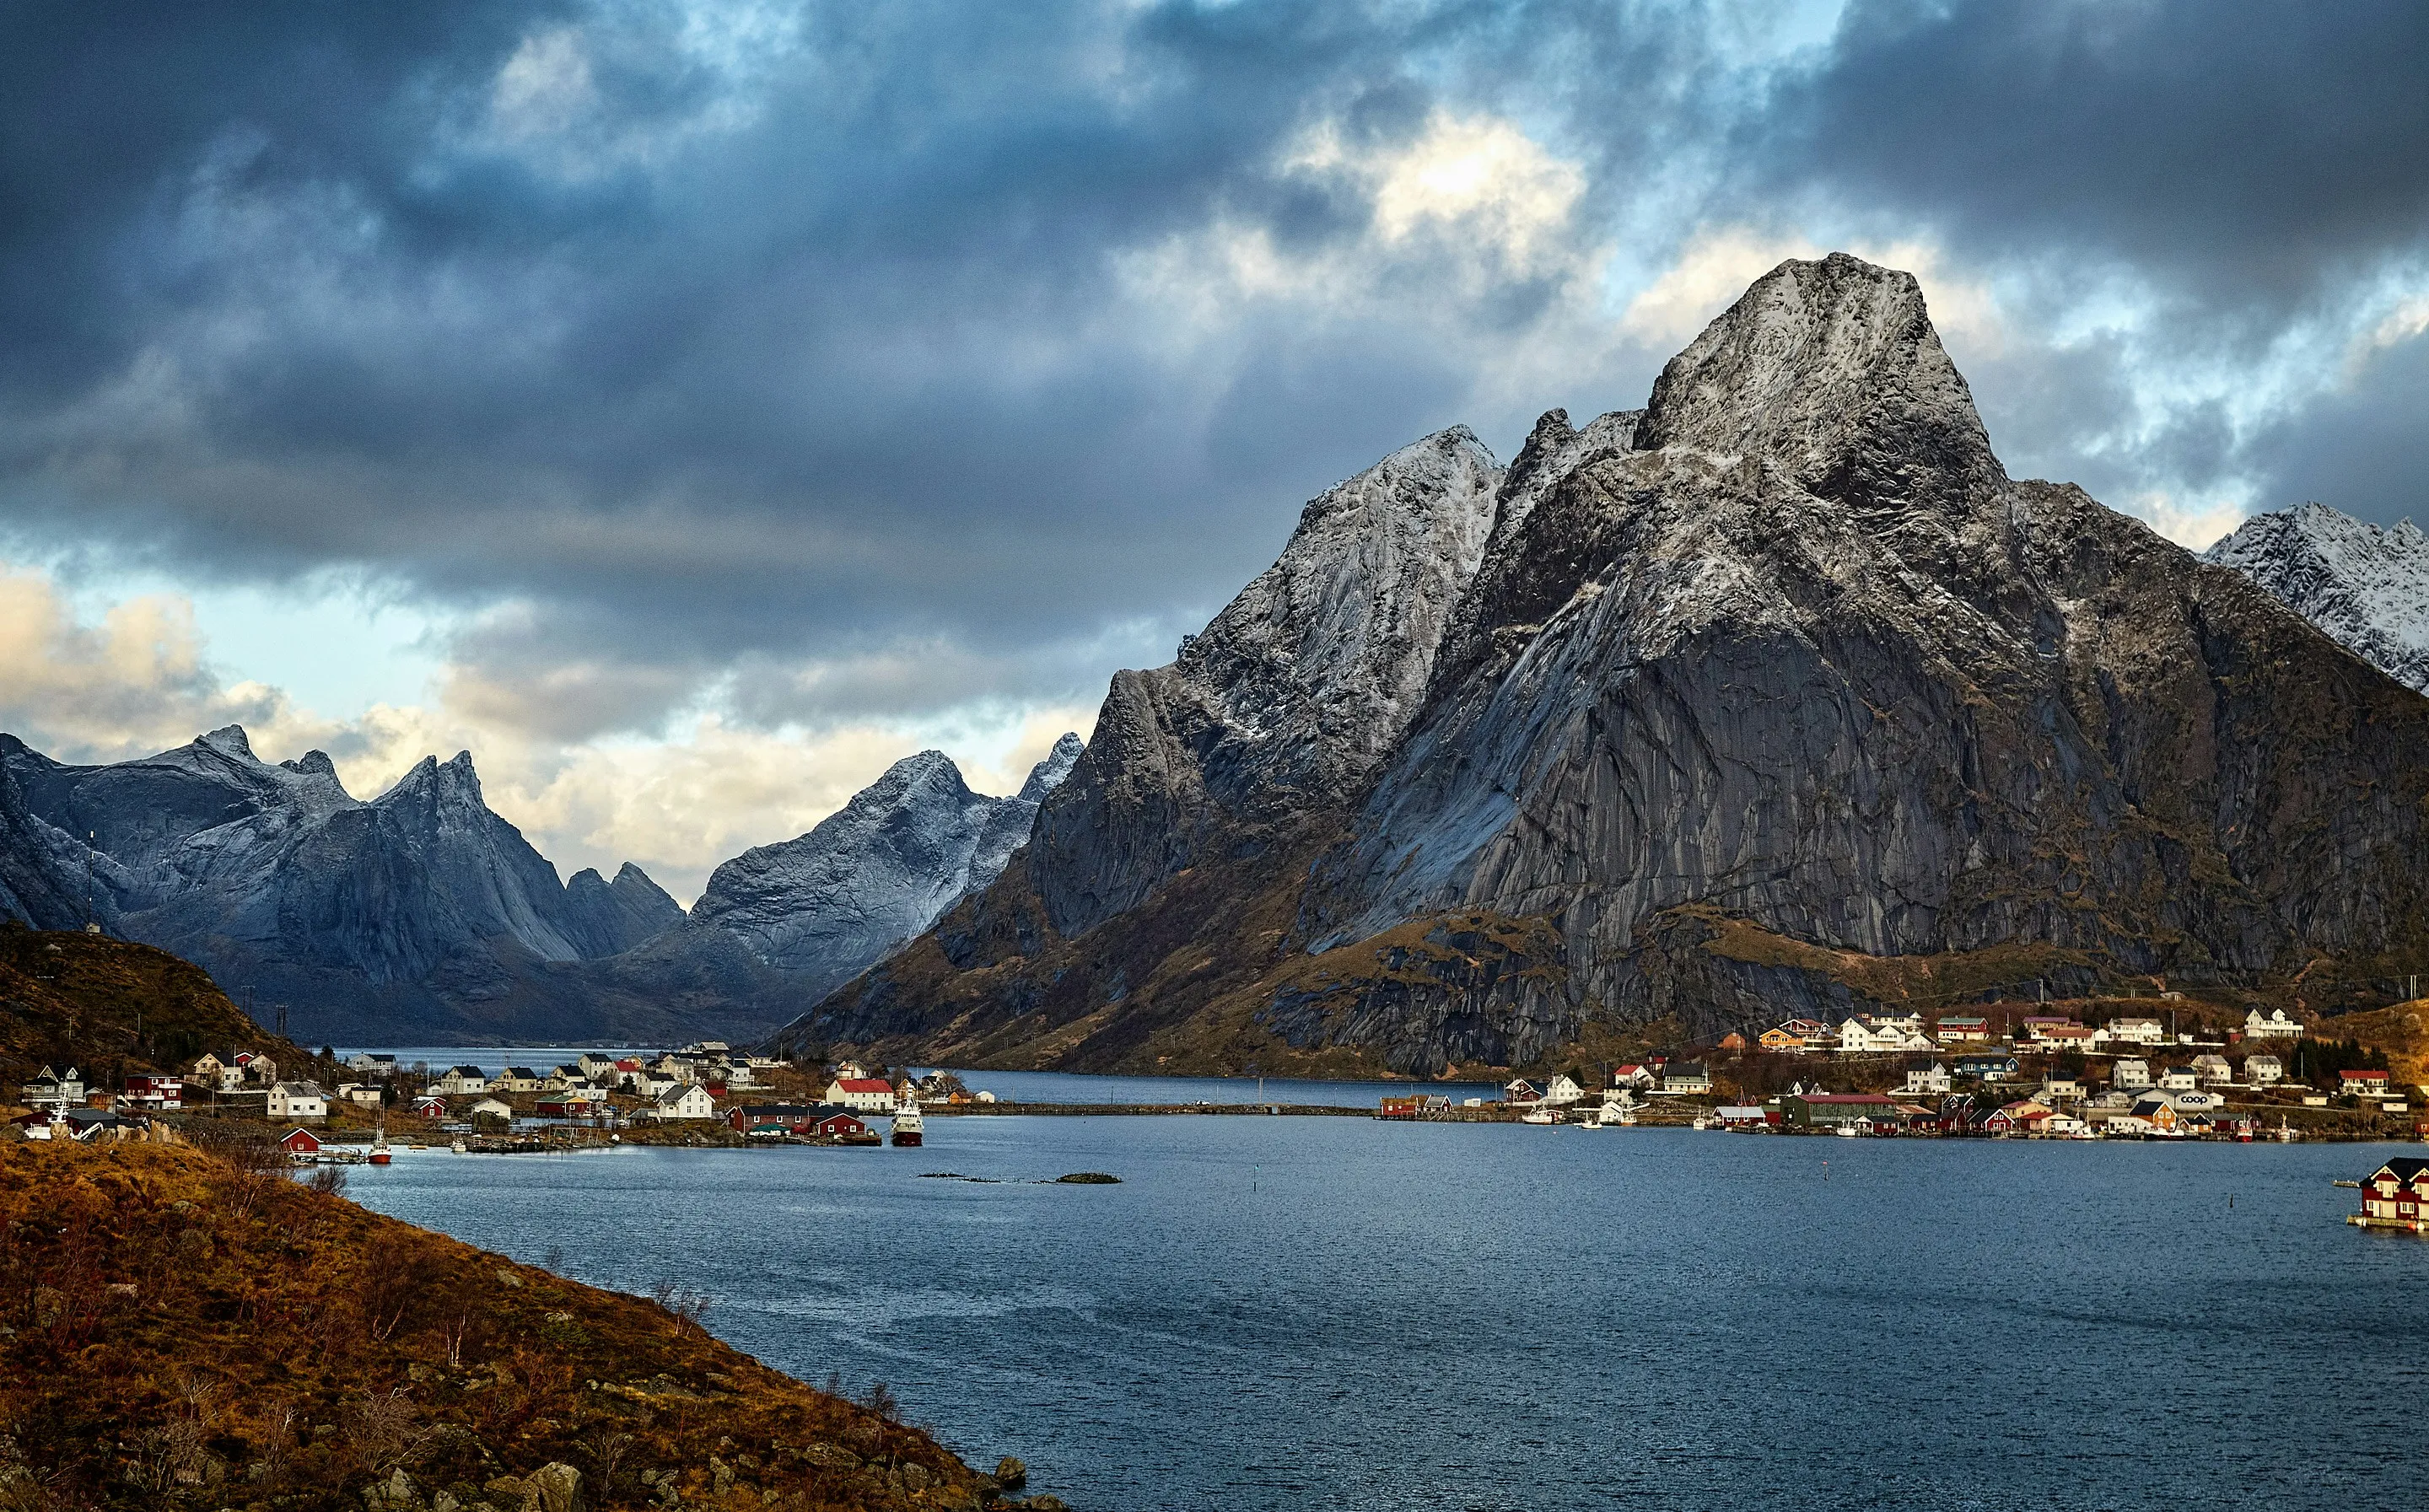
2366 589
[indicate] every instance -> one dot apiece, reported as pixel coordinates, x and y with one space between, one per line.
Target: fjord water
1339 1313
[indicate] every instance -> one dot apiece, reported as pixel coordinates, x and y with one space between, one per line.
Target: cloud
809 369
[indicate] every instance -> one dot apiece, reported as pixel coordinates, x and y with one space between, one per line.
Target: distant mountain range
423 914
1775 696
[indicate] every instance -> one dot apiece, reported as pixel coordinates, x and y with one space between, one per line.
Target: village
702 1093
2019 1075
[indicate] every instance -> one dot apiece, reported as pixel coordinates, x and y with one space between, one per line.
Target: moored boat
380 1155
908 1127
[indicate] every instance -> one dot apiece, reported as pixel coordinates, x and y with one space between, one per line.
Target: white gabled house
462 1081
1562 1092
490 1107
2212 1070
1932 1077
2275 1026
2263 1070
689 1101
297 1102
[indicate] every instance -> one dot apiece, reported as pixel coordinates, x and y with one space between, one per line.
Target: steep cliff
615 917
2367 588
1777 696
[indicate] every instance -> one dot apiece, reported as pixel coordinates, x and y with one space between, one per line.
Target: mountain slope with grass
189 1328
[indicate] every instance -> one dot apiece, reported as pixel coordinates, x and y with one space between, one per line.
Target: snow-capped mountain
1777 696
876 872
2365 587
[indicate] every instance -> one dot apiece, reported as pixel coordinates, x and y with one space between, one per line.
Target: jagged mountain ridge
422 916
875 873
1775 696
2365 587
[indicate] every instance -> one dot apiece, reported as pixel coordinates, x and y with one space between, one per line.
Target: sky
691 409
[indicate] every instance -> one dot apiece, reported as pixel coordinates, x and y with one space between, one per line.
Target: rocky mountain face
2367 588
613 917
1778 695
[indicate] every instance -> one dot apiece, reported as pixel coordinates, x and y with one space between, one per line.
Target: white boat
1538 1115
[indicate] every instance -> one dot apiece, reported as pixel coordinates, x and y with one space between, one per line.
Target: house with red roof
862 1094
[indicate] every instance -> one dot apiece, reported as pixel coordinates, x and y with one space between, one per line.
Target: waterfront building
493 1108
1830 1110
690 1101
2397 1192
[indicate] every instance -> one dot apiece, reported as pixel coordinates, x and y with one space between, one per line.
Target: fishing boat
907 1126
1540 1114
380 1155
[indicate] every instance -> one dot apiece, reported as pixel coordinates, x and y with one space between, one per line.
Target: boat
1538 1115
907 1126
380 1155
458 1146
1593 1120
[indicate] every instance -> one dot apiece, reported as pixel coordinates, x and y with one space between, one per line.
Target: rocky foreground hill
1777 696
423 916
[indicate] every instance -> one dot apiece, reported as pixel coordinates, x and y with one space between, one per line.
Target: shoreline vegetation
189 1326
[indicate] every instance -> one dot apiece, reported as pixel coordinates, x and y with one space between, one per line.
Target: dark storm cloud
2232 151
723 340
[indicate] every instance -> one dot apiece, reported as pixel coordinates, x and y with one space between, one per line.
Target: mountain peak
229 740
1049 774
2367 588
1832 371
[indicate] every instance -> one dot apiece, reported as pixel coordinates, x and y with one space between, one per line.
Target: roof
2363 1076
1872 1098
2404 1167
866 1084
468 1071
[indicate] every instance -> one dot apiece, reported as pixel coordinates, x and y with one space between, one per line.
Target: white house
369 1064
863 1094
360 1093
2263 1070
54 1088
1855 1037
1561 1092
1929 1077
207 1070
1690 1077
690 1100
491 1108
2057 1084
297 1102
2134 1031
1632 1074
676 1068
2178 1078
2211 1070
462 1081
2275 1026
596 1066
517 1078
2130 1073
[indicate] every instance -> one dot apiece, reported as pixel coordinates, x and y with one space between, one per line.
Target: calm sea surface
1339 1313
